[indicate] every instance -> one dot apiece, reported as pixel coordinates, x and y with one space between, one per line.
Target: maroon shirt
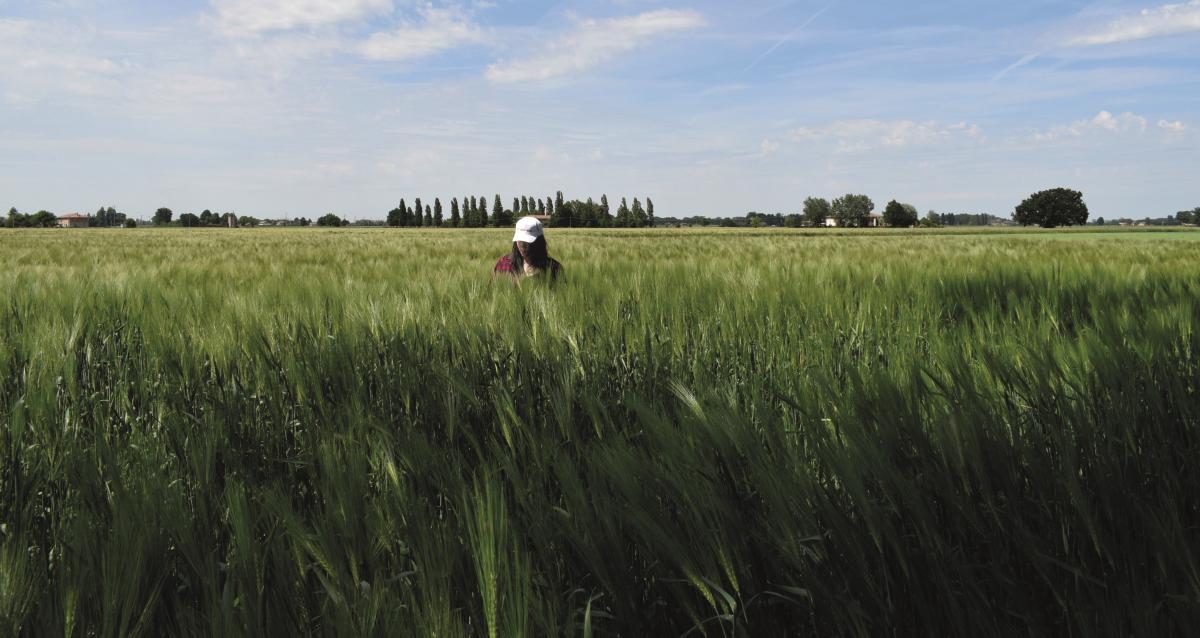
505 266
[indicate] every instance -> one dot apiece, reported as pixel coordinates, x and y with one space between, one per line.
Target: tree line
1188 216
849 211
206 218
1049 208
40 219
473 212
109 217
1182 218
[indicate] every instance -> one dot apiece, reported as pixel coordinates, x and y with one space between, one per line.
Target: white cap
528 230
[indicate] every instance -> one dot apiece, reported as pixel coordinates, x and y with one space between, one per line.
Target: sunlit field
728 433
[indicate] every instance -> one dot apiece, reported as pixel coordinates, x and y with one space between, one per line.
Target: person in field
529 256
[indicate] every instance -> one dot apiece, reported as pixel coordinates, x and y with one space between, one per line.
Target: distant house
73 220
874 220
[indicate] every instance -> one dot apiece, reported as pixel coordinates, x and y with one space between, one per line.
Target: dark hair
539 257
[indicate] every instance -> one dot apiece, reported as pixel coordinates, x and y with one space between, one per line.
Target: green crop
722 433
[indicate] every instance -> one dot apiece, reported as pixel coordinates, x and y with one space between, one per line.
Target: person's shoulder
504 264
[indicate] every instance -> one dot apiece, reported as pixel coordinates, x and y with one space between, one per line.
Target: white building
874 220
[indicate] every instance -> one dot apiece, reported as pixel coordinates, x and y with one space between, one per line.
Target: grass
352 432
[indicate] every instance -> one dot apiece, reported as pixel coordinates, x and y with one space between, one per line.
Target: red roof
72 216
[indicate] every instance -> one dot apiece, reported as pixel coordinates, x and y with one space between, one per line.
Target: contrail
1016 65
789 36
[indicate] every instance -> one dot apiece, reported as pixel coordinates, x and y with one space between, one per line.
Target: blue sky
302 107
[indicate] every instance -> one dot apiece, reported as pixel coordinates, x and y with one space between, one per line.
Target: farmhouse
73 220
874 220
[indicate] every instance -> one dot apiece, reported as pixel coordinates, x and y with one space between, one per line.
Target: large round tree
897 215
851 211
1051 208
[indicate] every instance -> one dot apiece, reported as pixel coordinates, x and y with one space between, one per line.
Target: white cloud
66 62
243 17
412 164
41 58
286 51
10 28
544 154
1103 122
1169 19
44 47
442 29
592 43
768 147
862 135
1172 127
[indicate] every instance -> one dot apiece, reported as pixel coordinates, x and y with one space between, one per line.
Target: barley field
710 433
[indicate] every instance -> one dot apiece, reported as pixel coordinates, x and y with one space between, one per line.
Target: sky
287 108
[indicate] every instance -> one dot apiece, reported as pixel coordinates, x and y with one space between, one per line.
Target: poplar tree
541 207
455 219
604 207
623 214
591 213
428 216
437 212
516 205
416 220
497 212
402 218
650 211
637 215
483 214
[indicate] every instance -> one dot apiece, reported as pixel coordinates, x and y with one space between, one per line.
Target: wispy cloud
1026 59
592 43
1168 19
1103 122
44 58
439 30
1172 127
243 17
785 39
863 135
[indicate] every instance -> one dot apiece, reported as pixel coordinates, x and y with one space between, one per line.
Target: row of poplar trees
473 213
